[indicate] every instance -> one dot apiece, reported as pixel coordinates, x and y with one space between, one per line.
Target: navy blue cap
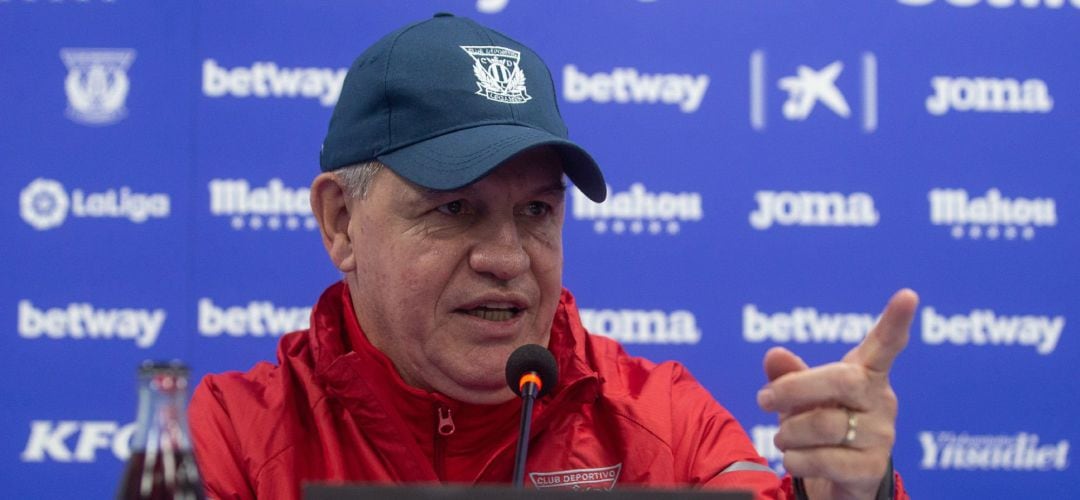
444 101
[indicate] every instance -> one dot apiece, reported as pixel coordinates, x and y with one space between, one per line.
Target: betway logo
51 440
45 204
980 327
626 85
808 208
762 437
266 80
256 319
999 4
805 325
988 95
1019 452
273 206
985 327
638 210
83 321
955 207
630 326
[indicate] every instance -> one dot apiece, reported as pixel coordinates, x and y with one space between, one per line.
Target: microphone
531 372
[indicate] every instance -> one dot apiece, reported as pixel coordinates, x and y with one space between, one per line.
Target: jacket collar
350 368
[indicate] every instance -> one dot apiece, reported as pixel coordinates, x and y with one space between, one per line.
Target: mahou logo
639 211
992 215
273 206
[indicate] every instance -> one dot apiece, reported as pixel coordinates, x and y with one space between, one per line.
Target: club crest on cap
97 84
498 76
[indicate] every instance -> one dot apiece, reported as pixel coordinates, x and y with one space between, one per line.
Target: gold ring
852 422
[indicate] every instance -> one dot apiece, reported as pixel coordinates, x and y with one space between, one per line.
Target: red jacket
335 409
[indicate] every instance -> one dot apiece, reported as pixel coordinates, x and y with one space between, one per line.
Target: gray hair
357 178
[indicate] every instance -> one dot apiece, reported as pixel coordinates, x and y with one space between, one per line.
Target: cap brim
459 158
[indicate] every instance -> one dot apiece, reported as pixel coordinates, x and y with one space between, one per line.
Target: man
442 202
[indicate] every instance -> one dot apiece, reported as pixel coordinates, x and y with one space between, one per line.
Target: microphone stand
528 395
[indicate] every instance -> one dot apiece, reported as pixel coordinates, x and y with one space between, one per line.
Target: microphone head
532 358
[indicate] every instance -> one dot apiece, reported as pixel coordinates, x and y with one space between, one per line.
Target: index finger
889 336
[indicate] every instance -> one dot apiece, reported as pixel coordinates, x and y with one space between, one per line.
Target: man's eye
453 208
537 208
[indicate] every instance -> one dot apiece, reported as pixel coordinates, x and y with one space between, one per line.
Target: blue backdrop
776 169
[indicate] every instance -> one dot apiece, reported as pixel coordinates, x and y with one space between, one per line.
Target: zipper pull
446 421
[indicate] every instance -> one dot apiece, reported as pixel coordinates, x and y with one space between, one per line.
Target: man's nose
499 251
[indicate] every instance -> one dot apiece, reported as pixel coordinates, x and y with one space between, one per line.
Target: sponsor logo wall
775 171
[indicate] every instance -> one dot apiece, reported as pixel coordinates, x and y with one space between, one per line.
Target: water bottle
162 463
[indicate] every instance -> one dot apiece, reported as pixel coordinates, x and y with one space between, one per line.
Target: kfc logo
51 441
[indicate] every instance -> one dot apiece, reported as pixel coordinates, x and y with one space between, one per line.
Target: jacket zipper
444 427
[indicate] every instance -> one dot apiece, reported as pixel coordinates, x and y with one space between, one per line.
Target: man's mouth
493 313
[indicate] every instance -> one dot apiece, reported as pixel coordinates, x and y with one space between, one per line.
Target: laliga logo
43 204
97 84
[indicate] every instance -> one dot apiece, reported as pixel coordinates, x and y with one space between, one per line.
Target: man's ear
330 205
